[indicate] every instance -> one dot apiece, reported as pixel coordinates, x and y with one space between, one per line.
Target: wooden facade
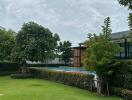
78 56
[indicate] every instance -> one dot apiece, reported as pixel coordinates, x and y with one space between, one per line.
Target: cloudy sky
71 19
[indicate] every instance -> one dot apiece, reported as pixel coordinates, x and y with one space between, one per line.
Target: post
125 48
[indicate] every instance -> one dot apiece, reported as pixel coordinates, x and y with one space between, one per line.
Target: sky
71 19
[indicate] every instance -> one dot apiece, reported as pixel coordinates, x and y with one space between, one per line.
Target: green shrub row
124 93
122 76
84 81
7 66
21 76
4 73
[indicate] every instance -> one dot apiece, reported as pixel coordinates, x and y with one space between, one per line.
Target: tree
66 51
126 3
100 53
130 21
7 41
35 43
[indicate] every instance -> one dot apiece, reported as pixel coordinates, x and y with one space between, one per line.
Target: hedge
83 81
21 76
122 76
7 66
124 93
46 65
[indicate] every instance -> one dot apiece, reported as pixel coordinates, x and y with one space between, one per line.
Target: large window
126 52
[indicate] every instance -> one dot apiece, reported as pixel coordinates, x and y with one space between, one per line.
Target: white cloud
72 19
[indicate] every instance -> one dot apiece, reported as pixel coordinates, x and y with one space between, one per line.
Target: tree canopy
66 51
126 3
100 50
7 41
35 43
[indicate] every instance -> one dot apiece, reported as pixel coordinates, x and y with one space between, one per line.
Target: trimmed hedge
4 73
46 65
122 75
21 76
83 81
7 66
124 93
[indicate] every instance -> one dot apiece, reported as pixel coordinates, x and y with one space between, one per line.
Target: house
121 38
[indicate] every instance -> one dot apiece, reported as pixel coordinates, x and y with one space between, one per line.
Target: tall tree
35 43
130 21
100 53
7 41
65 51
128 4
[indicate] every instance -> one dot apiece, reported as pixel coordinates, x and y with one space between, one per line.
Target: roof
115 36
118 35
79 47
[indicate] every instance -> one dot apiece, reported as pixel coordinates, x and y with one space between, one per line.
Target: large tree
35 43
7 41
128 4
65 51
100 53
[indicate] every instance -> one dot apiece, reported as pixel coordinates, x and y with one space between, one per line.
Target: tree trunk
99 85
24 69
102 85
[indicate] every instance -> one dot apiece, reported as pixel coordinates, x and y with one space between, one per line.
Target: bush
122 75
21 76
124 93
84 81
4 73
8 66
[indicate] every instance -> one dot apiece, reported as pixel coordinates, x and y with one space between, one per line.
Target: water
71 69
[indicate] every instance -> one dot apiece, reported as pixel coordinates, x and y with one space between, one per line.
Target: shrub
4 73
21 76
84 81
124 93
122 75
8 66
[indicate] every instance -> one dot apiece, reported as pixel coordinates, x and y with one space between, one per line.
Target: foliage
7 41
130 21
126 3
21 76
101 50
122 75
8 66
126 94
70 78
35 43
66 51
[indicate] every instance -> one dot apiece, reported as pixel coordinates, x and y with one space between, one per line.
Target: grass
37 89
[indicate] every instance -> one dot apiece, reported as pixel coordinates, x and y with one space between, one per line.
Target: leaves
7 41
126 3
66 51
35 43
100 50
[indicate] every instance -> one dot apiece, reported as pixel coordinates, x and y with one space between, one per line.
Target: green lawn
36 89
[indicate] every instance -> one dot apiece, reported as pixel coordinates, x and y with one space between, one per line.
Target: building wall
78 56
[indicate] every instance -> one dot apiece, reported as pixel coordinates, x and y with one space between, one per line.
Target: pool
71 69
